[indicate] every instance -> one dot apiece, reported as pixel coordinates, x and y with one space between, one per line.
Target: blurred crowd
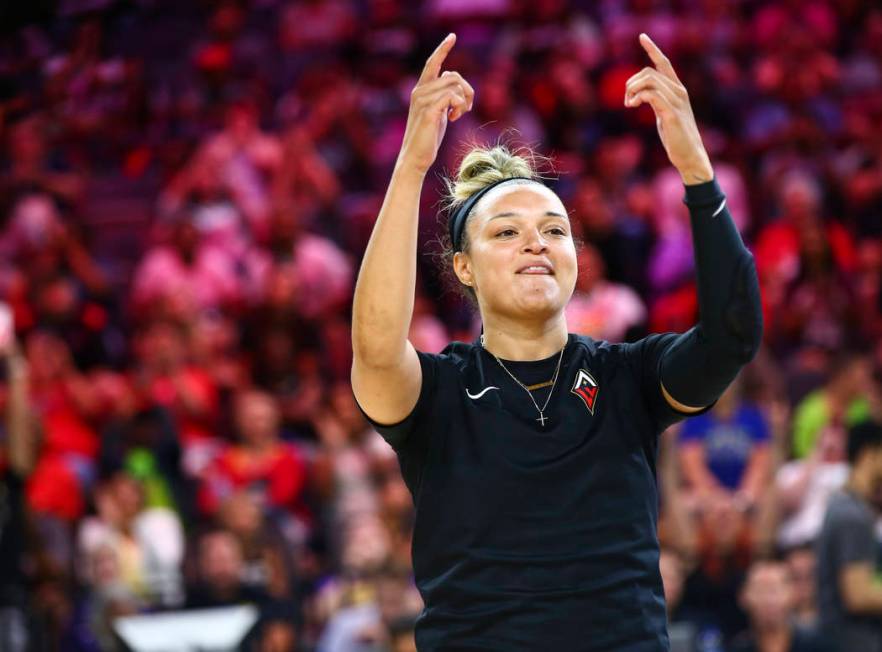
185 193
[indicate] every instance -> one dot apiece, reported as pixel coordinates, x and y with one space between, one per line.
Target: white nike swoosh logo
481 393
717 212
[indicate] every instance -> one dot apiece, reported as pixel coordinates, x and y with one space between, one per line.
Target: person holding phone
530 453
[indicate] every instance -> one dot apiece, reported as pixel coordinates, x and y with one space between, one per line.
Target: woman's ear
462 267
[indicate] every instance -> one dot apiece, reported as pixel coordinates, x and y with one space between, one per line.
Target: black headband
457 222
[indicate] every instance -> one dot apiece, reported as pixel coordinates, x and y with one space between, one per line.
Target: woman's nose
535 242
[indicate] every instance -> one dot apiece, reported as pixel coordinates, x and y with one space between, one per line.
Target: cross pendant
542 419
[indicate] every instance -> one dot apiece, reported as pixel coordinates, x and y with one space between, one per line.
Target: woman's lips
536 270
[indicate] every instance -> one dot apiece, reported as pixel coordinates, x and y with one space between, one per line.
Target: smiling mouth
536 271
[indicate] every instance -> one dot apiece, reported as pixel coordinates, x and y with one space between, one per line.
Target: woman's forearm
702 362
383 303
382 306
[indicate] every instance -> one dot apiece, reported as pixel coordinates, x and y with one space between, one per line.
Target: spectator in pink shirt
185 275
319 270
236 168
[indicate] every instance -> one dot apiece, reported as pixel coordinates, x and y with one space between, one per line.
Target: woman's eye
556 230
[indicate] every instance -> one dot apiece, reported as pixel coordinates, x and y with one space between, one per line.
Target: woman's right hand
436 98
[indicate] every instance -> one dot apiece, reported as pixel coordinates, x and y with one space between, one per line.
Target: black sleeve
413 425
702 362
644 359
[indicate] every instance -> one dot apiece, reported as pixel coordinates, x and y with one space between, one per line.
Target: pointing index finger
662 63
436 59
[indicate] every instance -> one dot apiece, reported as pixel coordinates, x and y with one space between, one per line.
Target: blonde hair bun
484 166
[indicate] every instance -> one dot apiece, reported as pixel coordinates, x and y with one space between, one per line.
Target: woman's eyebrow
511 214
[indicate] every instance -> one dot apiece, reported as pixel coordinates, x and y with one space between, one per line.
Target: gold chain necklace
542 418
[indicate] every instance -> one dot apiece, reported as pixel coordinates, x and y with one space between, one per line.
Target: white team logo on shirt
585 387
479 394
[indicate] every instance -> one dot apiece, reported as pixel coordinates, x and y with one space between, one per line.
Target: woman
530 453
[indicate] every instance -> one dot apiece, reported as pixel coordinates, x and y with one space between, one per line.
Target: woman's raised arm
384 292
698 365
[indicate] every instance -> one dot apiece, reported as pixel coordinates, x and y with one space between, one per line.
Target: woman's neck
518 341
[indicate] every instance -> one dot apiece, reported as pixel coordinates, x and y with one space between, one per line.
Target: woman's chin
545 302
543 298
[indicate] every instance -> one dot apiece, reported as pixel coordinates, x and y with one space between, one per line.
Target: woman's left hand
664 92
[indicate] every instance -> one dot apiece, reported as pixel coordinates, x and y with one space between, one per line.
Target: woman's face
512 228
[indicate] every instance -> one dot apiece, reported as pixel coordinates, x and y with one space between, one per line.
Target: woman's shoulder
458 349
642 356
455 355
590 344
607 348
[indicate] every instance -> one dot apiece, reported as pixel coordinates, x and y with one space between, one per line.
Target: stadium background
185 194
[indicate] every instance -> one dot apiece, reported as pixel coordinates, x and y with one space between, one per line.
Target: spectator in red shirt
260 461
167 377
778 245
67 405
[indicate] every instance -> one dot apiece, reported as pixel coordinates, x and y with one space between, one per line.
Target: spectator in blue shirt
726 452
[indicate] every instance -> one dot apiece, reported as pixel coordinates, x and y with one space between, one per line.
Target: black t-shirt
531 537
847 537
